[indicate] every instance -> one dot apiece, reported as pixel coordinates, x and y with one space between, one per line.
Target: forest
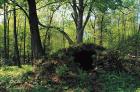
69 45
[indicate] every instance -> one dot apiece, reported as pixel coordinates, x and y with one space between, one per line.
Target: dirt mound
84 54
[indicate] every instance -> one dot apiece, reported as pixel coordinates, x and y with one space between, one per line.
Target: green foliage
132 44
62 70
1 2
104 5
119 82
11 76
83 76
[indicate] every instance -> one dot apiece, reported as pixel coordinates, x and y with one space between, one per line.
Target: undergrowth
81 81
119 82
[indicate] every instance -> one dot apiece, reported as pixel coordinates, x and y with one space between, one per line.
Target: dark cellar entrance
84 58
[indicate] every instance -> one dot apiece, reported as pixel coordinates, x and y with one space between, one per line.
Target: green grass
11 75
14 71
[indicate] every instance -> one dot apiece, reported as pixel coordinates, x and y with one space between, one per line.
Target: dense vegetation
69 45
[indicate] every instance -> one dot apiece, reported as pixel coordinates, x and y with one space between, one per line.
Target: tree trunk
80 30
5 32
35 36
124 28
8 27
24 53
78 15
118 26
95 30
79 35
101 29
47 34
16 56
93 25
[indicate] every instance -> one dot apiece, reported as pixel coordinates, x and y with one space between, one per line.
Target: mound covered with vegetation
64 77
83 54
63 71
90 56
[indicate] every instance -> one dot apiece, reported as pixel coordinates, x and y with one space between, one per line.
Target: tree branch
60 30
88 15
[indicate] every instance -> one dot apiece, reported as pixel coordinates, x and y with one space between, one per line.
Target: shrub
62 70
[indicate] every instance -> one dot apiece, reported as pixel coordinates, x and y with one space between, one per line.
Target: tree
16 54
36 45
24 55
78 17
93 25
103 7
5 32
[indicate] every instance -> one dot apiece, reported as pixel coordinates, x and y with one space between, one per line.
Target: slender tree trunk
18 25
8 43
93 25
47 34
118 26
63 30
101 29
5 33
24 48
35 35
16 56
124 27
94 30
134 25
18 28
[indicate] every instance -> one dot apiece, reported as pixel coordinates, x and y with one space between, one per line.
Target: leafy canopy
104 5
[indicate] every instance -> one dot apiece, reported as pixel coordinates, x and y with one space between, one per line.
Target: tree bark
34 29
5 33
80 30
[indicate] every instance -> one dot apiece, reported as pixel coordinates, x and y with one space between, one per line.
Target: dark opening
84 58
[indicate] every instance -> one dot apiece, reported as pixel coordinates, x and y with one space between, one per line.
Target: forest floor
67 71
11 78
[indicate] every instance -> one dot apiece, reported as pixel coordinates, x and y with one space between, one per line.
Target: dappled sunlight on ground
14 71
